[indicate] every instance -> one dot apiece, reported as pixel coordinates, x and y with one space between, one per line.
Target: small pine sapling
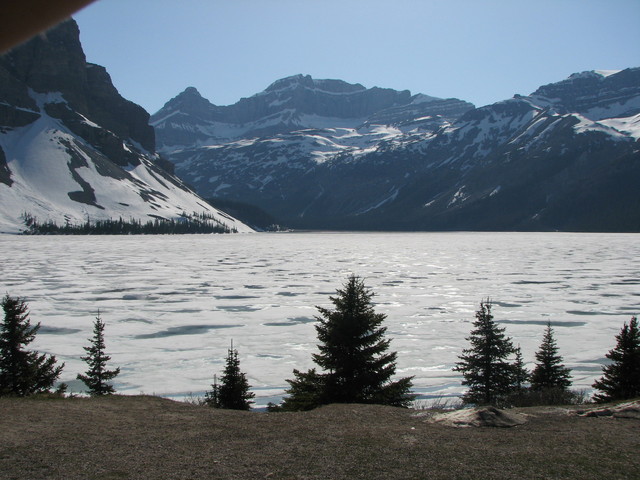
233 392
549 372
96 378
521 374
212 397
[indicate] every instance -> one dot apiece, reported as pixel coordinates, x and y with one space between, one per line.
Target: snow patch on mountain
607 73
616 128
55 176
622 108
629 125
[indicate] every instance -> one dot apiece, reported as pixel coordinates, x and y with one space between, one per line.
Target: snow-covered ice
172 304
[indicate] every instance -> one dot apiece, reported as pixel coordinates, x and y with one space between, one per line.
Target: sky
481 51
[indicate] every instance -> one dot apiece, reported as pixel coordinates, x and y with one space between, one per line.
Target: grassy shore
153 438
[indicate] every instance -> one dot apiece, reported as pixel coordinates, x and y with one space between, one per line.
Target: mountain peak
584 91
188 101
293 103
289 82
306 81
191 91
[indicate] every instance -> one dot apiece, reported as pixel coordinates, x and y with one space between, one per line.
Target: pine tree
23 372
485 366
305 392
211 397
233 391
521 375
353 355
549 372
97 376
621 378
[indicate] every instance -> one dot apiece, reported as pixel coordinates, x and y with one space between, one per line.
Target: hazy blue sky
482 51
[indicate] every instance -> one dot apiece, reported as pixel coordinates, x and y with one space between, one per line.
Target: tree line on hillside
355 363
186 224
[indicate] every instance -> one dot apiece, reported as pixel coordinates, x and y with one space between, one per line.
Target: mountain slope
266 149
565 157
72 149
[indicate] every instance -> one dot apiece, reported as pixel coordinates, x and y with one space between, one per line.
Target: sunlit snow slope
72 149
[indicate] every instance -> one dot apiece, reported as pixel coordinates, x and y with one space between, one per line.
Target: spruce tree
549 372
306 392
96 378
621 378
233 392
485 366
521 375
211 397
23 372
353 355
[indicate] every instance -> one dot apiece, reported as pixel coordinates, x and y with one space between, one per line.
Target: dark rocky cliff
55 62
291 104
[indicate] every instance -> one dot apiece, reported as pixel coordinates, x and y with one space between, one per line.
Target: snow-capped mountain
565 157
72 149
265 148
293 104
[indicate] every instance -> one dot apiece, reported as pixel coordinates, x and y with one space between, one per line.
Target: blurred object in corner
23 19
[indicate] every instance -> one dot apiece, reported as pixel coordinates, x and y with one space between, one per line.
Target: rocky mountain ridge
73 149
290 104
565 157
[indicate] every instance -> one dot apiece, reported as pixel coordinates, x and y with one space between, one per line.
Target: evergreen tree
485 366
23 372
549 372
521 375
97 376
233 391
353 354
621 379
211 397
305 392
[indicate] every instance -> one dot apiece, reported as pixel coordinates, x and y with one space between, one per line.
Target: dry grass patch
148 437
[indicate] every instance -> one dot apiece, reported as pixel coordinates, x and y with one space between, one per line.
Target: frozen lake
172 304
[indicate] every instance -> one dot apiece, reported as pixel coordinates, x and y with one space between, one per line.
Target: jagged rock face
55 62
326 98
72 149
182 118
110 110
5 173
564 158
288 105
585 92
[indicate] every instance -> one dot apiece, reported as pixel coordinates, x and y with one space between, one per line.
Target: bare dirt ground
152 438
